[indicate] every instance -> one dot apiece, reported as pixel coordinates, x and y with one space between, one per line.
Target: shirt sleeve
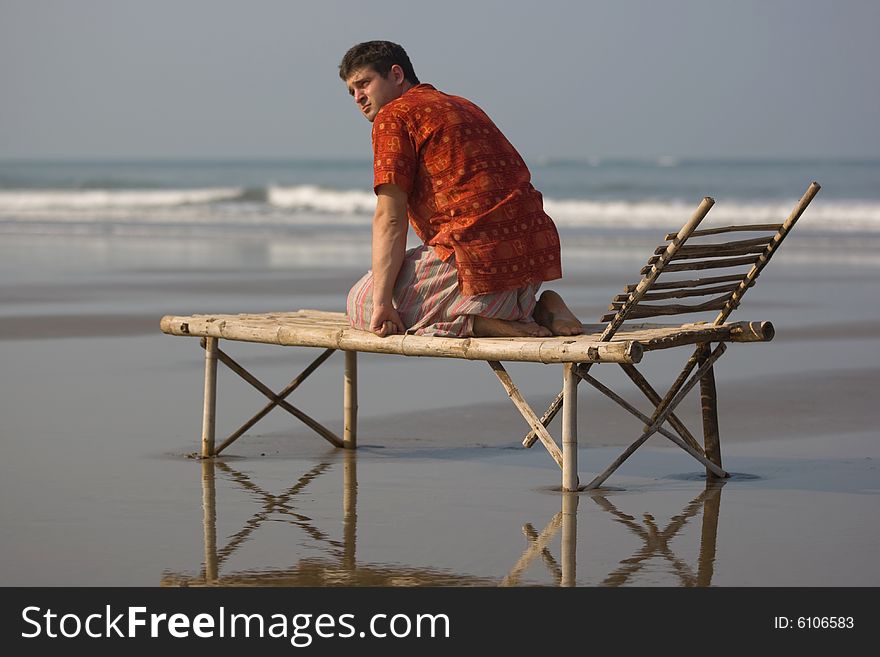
394 153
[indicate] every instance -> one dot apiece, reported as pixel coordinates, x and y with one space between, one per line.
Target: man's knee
359 304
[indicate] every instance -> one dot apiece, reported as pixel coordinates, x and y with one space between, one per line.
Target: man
441 165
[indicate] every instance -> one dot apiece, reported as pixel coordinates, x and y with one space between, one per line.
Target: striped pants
428 301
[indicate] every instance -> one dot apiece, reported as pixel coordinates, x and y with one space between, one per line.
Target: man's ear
397 72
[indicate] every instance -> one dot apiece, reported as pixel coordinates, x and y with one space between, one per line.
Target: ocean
320 210
98 408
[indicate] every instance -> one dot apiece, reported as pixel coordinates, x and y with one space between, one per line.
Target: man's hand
385 321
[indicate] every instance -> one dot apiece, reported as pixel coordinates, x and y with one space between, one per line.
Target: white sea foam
310 197
843 215
60 199
284 207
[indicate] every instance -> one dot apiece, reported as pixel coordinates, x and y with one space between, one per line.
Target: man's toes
535 330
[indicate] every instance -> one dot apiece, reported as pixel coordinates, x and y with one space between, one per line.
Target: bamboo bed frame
620 341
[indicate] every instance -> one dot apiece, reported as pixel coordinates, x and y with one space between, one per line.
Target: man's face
372 92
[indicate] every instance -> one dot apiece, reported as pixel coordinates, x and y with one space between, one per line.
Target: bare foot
552 313
487 327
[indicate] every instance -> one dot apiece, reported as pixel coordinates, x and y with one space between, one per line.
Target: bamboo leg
545 420
569 539
209 414
584 368
709 406
652 395
209 521
660 416
283 394
620 401
526 411
318 428
696 452
569 429
349 401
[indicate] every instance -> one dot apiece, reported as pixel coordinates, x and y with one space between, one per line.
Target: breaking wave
303 205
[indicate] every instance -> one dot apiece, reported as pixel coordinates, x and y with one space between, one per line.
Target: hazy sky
258 78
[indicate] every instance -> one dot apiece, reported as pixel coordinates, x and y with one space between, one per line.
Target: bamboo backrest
692 250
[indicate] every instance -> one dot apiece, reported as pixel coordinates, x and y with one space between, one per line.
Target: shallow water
97 488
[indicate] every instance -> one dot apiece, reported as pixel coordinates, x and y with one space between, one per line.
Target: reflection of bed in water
341 567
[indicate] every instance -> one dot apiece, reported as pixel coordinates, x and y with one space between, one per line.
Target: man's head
376 72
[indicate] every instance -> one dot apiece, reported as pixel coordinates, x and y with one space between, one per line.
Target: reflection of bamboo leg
209 521
209 414
569 539
349 510
569 429
537 546
270 504
350 401
656 542
709 533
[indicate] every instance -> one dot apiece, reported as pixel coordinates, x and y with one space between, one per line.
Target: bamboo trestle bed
621 341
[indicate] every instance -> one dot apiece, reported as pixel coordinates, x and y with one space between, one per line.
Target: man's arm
389 245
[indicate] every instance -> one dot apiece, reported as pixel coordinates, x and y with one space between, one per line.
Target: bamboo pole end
166 324
753 331
634 352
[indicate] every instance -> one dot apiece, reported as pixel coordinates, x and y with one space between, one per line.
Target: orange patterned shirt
469 193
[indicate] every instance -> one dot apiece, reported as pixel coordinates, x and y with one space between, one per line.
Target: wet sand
99 411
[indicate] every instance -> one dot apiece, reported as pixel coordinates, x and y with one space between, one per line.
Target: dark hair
378 55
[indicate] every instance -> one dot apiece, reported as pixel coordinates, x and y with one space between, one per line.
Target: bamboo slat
620 299
730 229
641 311
706 264
722 246
692 252
668 285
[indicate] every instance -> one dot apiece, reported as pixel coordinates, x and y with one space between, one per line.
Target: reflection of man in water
441 163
